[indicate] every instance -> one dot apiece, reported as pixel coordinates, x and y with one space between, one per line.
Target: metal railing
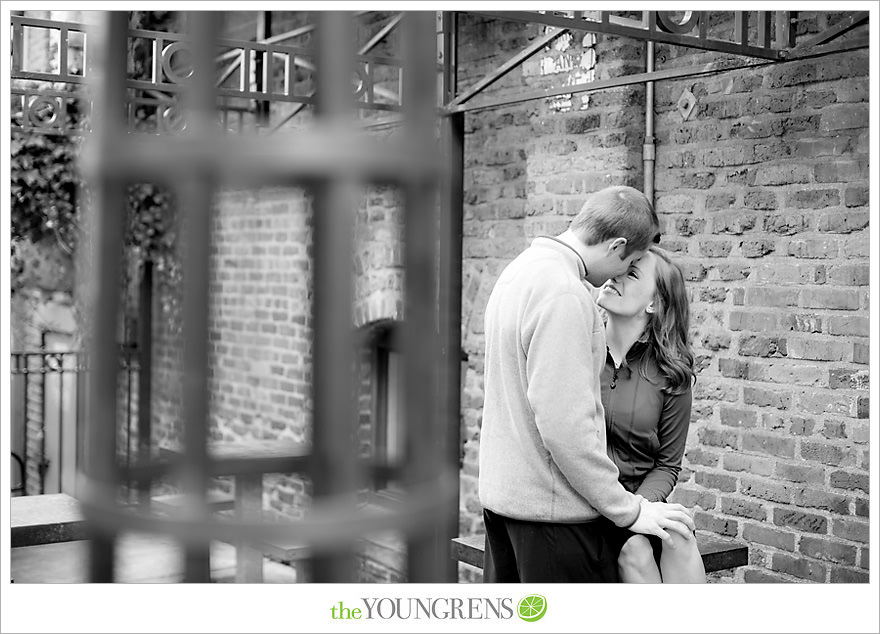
47 390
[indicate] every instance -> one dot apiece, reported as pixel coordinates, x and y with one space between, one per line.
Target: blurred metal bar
263 67
145 377
450 246
196 203
107 229
420 335
333 337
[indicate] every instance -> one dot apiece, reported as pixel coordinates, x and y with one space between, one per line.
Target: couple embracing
588 376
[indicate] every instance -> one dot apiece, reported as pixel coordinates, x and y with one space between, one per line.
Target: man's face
612 266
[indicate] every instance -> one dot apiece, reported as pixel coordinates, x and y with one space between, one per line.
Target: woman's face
630 293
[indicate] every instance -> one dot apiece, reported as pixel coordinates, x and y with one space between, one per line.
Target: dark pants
519 551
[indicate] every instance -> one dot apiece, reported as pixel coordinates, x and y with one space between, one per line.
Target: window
382 410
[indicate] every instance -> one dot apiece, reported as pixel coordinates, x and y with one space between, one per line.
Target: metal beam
671 73
508 66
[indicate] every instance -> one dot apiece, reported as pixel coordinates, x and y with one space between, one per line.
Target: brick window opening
386 412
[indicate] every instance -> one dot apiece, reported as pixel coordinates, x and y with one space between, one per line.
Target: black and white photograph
438 311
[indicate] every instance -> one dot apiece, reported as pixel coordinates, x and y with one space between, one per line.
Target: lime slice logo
532 608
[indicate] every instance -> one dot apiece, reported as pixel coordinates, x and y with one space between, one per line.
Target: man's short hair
617 212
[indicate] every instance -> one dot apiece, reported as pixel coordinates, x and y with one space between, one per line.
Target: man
546 480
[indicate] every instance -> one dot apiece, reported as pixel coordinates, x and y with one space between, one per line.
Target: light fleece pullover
543 455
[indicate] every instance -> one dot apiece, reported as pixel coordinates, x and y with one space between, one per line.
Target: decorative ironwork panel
752 34
285 76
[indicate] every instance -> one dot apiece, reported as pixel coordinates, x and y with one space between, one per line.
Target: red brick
799 567
840 171
822 500
848 379
757 247
861 353
794 274
699 456
766 490
733 222
783 174
772 296
768 444
762 576
786 224
734 417
850 275
850 481
844 575
759 346
715 437
844 117
802 322
674 203
813 198
732 272
762 534
798 520
715 481
800 473
853 530
817 350
709 390
743 508
720 200
843 221
713 294
864 557
831 298
824 402
760 199
826 453
856 196
718 249
713 524
733 368
753 320
814 248
789 373
692 497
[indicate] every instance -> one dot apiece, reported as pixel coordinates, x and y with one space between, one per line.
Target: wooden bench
46 519
718 553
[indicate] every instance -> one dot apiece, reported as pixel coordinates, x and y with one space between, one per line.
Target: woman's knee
679 543
637 553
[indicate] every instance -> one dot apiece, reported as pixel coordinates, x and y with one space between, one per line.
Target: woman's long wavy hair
668 326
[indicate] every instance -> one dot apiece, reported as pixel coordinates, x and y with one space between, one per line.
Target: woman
646 392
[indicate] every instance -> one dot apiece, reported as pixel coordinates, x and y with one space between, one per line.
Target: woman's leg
683 563
636 561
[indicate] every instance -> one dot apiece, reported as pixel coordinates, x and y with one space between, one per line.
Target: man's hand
656 518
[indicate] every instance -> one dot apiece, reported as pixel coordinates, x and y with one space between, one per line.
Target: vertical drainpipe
648 152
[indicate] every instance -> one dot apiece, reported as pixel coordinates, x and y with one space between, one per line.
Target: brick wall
763 193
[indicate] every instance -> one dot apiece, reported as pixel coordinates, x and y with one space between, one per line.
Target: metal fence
47 407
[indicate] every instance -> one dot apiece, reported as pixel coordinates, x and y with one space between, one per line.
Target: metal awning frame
775 44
